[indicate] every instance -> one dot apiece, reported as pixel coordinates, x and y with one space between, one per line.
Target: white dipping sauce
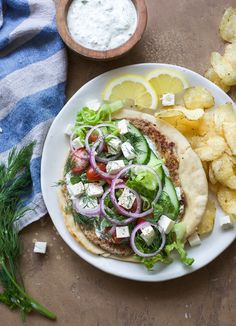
101 24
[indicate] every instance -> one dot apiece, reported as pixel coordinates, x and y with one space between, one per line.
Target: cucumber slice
156 164
170 190
141 146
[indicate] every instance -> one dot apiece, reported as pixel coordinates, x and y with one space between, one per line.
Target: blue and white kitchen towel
32 82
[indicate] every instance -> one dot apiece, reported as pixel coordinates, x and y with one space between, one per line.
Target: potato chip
224 113
214 188
181 111
210 149
223 170
229 129
223 68
205 166
198 97
211 175
230 54
228 25
212 76
227 200
207 124
208 219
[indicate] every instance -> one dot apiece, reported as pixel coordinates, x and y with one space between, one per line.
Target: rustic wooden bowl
62 10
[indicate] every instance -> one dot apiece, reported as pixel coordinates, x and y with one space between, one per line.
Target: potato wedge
223 68
227 200
228 25
212 76
208 219
198 97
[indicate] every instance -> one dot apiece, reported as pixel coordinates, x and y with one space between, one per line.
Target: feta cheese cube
93 105
40 247
122 232
76 143
88 202
76 189
126 199
69 129
114 145
114 167
128 150
123 126
168 99
226 222
166 224
148 234
93 189
194 240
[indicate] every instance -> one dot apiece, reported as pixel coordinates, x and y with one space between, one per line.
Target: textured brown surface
182 32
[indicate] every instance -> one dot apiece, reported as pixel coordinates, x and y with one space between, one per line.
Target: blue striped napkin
32 83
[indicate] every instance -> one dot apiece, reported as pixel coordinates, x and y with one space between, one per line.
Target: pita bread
192 178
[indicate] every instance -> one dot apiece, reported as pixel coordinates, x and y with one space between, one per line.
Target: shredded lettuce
174 241
144 182
91 117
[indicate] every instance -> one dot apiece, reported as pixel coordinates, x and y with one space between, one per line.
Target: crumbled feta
114 167
76 189
69 129
93 105
113 145
148 234
126 199
93 189
40 247
226 222
123 126
88 202
166 224
122 232
128 150
67 177
194 240
168 99
178 192
76 143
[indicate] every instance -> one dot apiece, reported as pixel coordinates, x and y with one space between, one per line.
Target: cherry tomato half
81 159
93 175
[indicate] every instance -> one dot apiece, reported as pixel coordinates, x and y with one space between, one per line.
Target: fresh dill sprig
134 141
15 182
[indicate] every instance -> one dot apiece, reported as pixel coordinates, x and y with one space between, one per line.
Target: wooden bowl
62 11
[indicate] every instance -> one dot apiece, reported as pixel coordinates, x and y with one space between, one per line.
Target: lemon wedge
167 80
131 87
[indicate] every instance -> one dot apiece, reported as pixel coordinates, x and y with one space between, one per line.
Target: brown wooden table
182 32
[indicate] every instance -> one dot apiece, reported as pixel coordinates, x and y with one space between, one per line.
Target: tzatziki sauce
101 24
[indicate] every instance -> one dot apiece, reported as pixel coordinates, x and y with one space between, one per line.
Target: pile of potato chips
223 69
212 134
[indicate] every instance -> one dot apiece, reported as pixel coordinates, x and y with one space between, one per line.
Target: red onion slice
97 128
93 212
114 221
123 211
72 135
141 226
93 163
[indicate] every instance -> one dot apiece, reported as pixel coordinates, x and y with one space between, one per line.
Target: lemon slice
131 87
166 80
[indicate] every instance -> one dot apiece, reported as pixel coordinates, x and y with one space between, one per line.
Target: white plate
54 154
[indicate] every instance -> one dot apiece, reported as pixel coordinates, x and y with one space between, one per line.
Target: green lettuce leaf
91 117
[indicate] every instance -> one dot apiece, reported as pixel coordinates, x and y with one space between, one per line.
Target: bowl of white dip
101 29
